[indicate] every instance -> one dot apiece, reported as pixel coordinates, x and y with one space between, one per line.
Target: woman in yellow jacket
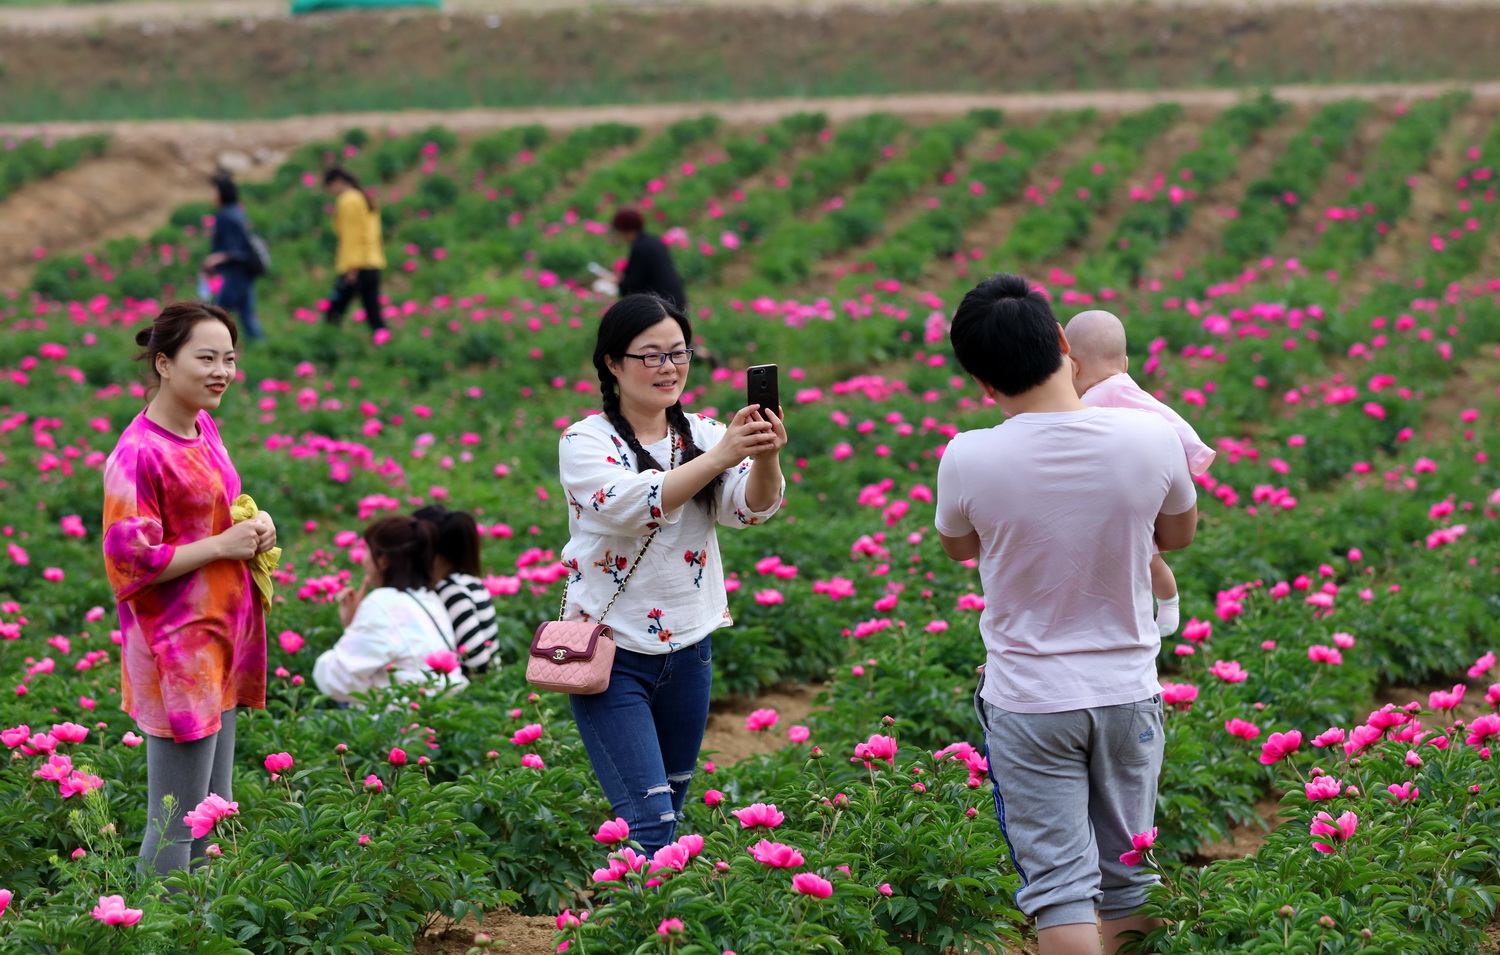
356 222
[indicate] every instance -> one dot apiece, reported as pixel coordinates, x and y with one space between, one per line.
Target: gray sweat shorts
1070 789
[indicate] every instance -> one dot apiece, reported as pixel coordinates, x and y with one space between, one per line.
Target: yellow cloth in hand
262 565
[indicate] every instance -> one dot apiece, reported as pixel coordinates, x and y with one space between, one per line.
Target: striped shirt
473 615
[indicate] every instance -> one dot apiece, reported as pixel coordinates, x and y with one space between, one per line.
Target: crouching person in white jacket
396 630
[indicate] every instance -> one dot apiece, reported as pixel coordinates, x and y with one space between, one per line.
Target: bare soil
242 60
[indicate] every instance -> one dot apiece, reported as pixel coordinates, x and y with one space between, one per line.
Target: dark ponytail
339 173
406 546
626 319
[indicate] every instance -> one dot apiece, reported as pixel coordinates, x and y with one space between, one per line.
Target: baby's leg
1164 588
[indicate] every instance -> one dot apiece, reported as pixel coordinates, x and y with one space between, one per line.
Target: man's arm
961 548
1175 531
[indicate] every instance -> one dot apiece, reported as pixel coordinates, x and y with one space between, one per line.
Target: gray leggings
187 772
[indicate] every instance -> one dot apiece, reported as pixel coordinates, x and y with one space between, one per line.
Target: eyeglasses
655 359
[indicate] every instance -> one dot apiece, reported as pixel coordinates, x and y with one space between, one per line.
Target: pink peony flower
291 641
1244 729
759 814
130 739
1404 792
1141 841
692 843
776 855
876 747
1279 746
208 813
373 783
612 833
670 858
798 734
814 885
443 661
671 927
527 735
5 896
712 798
762 719
1229 671
69 733
1439 700
884 889
530 761
1329 737
1484 728
111 910
397 756
278 763
1324 826
1323 787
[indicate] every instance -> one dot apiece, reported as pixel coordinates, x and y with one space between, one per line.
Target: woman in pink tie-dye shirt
195 633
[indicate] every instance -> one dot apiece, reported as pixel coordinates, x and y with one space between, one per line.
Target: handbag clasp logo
559 654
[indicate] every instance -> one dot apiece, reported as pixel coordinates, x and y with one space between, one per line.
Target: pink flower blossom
671 927
397 756
1482 665
1440 700
1197 631
5 896
1244 729
69 733
443 661
776 855
1319 653
208 814
885 889
798 734
692 843
1323 787
290 640
613 832
1229 671
712 798
527 735
759 814
1325 826
278 763
1484 728
1329 737
531 761
672 857
111 910
877 747
814 885
762 719
1141 841
1279 746
373 784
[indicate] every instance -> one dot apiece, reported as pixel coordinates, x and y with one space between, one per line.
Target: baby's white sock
1167 614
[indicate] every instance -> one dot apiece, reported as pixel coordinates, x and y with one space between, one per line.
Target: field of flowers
1349 540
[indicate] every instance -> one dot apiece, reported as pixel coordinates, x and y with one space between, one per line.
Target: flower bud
1286 911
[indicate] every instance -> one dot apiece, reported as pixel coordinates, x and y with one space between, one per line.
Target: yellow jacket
358 229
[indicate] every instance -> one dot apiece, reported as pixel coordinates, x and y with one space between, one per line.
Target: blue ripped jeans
643 734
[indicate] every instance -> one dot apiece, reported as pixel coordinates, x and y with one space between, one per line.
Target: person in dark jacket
649 267
231 258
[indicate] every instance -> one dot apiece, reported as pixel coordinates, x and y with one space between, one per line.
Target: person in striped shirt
456 567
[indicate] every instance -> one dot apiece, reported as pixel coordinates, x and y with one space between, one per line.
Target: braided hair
626 319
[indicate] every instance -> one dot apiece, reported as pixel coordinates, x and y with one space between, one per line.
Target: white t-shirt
676 597
1065 506
388 641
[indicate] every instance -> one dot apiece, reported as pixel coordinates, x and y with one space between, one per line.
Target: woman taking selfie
194 627
646 486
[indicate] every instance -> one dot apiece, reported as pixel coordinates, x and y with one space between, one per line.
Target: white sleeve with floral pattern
605 492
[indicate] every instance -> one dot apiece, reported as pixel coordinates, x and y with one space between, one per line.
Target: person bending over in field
1099 378
644 469
393 624
193 620
455 565
1063 531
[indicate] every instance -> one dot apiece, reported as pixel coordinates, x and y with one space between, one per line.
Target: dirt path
64 17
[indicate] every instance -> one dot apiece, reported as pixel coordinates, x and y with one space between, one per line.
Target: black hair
170 330
457 537
405 544
229 193
1005 335
628 220
340 174
626 319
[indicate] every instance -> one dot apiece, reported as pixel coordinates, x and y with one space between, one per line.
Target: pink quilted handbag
576 656
571 656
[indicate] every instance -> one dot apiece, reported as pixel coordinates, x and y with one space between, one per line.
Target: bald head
1097 340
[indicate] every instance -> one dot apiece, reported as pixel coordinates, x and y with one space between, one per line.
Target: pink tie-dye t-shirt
195 646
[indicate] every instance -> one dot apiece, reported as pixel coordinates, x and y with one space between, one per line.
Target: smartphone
762 388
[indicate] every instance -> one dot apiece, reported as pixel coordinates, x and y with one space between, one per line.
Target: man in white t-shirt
1061 504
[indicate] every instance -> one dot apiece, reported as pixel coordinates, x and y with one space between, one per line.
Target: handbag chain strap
562 609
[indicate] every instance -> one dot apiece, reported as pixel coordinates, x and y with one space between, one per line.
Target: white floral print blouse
676 597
